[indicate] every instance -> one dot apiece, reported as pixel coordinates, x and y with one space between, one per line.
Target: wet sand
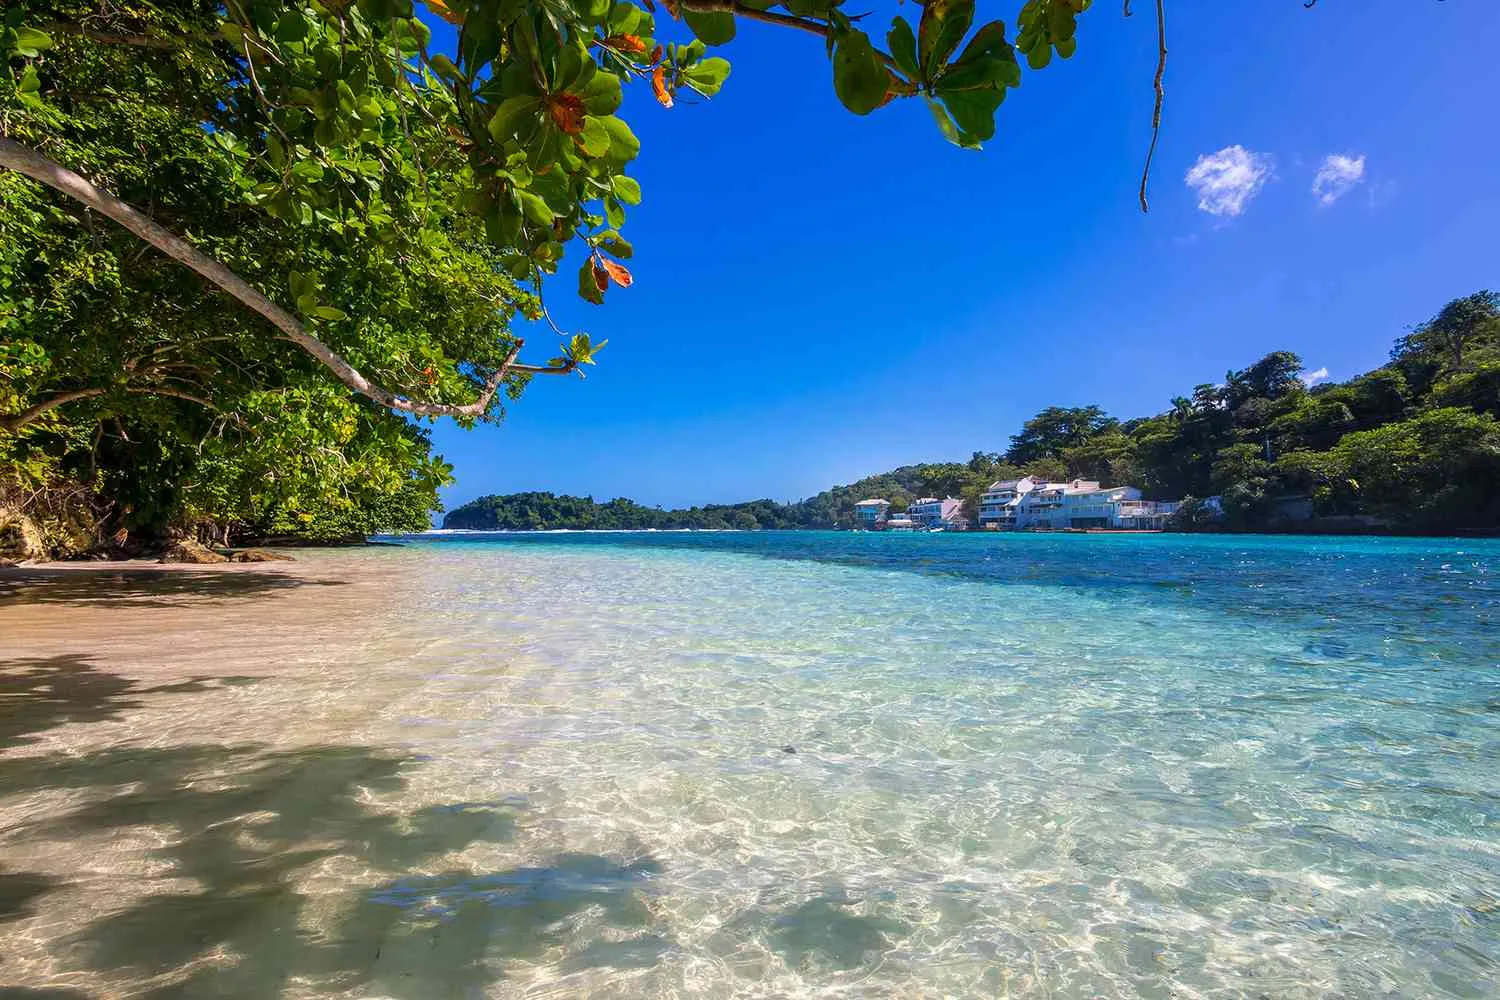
202 794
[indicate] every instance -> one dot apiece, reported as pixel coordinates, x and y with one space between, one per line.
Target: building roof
872 503
1010 484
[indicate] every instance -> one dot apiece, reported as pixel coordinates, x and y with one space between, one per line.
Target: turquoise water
768 765
1062 765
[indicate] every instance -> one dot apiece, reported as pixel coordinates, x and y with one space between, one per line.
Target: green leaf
308 170
510 115
707 76
481 42
627 189
534 207
301 285
603 94
945 125
944 24
989 40
710 27
290 27
329 312
588 286
1061 21
810 8
982 71
502 224
30 42
623 145
859 77
1039 56
617 246
974 110
594 140
626 19
614 211
444 68
30 81
904 47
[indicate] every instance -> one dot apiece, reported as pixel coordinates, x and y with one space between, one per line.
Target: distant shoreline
1320 531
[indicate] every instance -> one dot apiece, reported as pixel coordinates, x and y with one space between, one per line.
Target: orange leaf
567 112
442 10
627 43
659 86
601 275
615 270
656 54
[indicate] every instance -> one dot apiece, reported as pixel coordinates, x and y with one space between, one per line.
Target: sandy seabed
198 793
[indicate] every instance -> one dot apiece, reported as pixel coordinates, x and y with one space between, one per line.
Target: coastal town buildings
1018 504
1014 504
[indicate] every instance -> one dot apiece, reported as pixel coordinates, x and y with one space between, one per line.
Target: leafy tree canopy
376 211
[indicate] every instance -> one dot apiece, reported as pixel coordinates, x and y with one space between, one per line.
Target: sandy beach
190 778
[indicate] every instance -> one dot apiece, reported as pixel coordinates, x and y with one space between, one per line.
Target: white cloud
1337 176
1311 379
1226 181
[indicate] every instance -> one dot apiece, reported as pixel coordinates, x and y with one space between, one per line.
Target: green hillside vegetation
1411 446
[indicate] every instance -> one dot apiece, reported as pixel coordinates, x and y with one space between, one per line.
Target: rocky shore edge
25 542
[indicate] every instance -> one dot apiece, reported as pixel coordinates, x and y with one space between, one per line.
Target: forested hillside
1411 446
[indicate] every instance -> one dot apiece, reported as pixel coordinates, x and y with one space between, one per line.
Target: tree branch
1161 68
161 42
738 9
16 421
33 164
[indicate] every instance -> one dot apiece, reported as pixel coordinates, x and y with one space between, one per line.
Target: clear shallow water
557 765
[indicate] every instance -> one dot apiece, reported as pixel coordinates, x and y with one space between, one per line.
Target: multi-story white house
930 512
1080 503
999 504
870 514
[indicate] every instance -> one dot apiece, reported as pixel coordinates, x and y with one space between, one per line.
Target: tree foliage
375 208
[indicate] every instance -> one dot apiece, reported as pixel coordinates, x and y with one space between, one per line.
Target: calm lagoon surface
759 765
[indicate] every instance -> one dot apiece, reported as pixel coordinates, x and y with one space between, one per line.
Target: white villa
1082 503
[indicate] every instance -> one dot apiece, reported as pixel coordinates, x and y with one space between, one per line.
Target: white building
930 512
1081 503
870 514
999 505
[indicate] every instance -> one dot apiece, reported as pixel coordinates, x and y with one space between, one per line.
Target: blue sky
820 297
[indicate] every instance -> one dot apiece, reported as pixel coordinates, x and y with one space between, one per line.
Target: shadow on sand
143 587
40 693
276 865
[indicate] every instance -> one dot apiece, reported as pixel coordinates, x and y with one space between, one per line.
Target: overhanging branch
749 13
33 164
15 421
